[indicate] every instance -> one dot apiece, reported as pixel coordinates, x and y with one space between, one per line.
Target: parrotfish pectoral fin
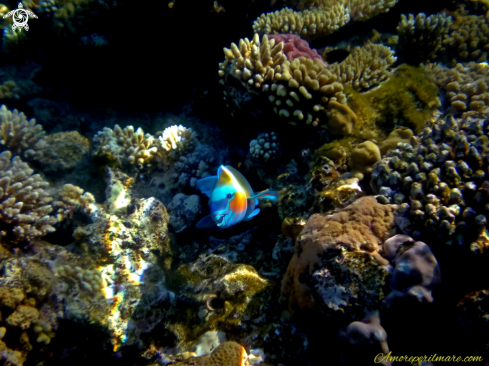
266 195
206 185
207 223
251 215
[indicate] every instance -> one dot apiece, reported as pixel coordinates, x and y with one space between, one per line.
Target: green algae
408 98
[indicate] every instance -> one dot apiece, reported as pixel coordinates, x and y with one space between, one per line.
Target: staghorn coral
420 38
175 141
135 146
469 38
365 67
466 85
253 63
24 202
17 134
440 183
336 265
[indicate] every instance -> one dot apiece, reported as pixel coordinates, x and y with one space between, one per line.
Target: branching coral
253 62
365 66
469 38
440 183
174 141
135 146
420 38
71 197
17 134
24 202
467 87
308 23
322 18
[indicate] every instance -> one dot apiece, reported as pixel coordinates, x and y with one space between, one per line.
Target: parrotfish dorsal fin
206 185
268 194
241 180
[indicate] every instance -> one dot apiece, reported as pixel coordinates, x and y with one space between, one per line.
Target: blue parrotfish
231 199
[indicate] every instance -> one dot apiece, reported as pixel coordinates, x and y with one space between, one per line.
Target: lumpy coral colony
376 142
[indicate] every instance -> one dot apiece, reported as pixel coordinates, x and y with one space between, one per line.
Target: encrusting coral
440 183
25 203
226 354
467 87
421 38
17 134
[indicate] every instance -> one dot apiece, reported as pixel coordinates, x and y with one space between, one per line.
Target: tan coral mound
361 227
227 354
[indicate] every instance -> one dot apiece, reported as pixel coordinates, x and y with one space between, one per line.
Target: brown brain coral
354 236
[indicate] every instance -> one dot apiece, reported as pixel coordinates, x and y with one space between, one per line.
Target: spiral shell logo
20 16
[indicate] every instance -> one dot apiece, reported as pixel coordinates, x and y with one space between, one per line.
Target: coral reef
226 354
265 147
253 63
175 141
61 151
295 46
399 134
466 86
183 211
420 38
365 67
336 265
135 146
469 38
416 272
323 17
25 203
439 183
364 156
308 23
408 98
17 133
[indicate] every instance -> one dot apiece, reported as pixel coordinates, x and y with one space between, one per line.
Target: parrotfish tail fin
266 195
207 223
206 185
251 215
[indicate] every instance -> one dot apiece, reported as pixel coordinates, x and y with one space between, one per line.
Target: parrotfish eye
229 196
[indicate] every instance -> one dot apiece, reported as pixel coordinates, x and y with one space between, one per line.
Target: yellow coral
364 157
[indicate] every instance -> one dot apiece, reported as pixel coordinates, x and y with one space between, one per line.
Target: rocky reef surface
369 118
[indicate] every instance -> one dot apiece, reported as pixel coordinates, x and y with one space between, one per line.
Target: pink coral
295 46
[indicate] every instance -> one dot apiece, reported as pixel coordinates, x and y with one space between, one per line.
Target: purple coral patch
295 46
